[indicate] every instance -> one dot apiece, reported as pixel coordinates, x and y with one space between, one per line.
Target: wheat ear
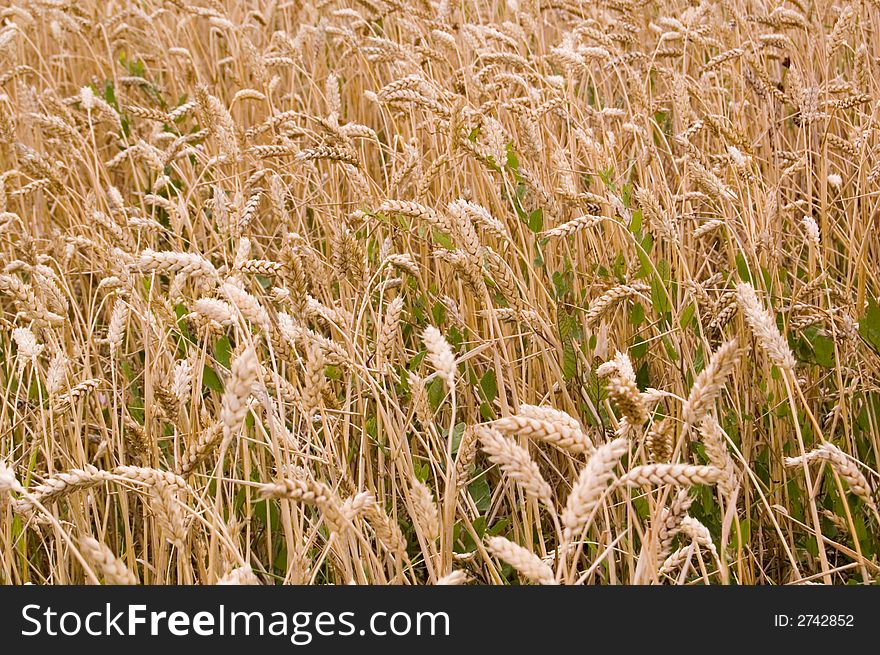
516 463
558 433
528 564
845 467
113 569
591 485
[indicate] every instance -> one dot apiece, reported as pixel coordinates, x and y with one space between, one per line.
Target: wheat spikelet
313 379
659 440
516 463
553 431
26 341
440 354
59 485
588 490
151 477
208 439
457 577
418 212
116 327
387 531
670 521
245 373
709 382
426 515
358 505
219 122
605 303
248 306
403 262
718 454
420 402
573 226
175 262
8 481
551 414
181 382
241 575
524 561
764 328
388 334
28 303
503 278
699 533
845 467
656 217
676 560
681 474
620 364
330 153
840 31
166 506
310 492
467 239
625 394
480 216
466 455
113 570
215 310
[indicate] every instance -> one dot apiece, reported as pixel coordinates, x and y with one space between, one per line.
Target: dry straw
371 266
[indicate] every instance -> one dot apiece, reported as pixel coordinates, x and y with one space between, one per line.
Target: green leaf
745 529
436 392
659 284
489 385
639 348
635 225
637 314
512 161
643 253
606 174
815 348
742 269
536 220
457 433
481 493
671 352
569 361
869 325
211 380
223 350
443 240
687 316
567 324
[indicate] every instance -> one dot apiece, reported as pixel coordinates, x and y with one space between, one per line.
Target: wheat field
419 292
